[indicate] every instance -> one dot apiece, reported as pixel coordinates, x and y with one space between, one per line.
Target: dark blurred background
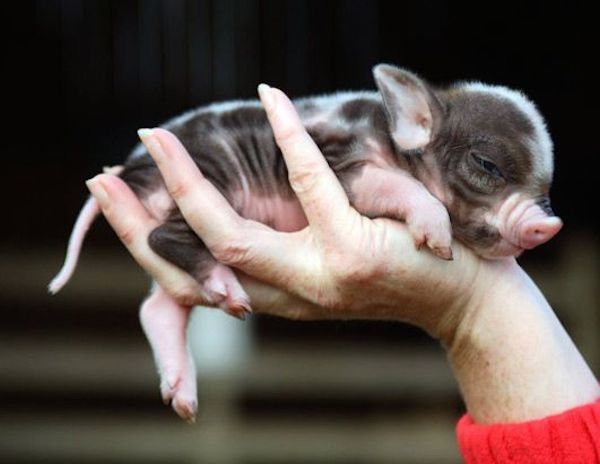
77 382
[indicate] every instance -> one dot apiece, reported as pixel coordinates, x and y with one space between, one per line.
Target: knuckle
127 235
287 134
183 289
231 250
178 190
184 295
303 179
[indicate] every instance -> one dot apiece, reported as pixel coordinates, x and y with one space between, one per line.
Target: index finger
248 245
133 224
319 191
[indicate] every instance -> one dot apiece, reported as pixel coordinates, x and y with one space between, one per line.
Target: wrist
511 356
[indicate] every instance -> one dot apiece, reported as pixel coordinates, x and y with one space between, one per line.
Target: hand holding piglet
343 266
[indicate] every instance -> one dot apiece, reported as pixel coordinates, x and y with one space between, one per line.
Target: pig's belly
284 214
277 211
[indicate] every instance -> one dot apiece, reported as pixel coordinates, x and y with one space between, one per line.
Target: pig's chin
501 249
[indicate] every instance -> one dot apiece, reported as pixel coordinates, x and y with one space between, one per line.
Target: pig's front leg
164 321
377 192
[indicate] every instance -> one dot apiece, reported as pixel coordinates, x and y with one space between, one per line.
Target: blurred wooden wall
77 381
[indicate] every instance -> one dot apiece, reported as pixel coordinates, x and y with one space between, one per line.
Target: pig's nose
538 231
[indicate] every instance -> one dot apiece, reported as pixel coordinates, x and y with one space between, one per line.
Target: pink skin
538 230
395 193
526 224
86 216
379 192
523 225
285 215
164 321
376 191
224 290
501 303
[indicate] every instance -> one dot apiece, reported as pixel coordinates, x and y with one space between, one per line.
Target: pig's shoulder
350 128
341 109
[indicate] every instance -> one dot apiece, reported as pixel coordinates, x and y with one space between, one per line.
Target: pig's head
484 151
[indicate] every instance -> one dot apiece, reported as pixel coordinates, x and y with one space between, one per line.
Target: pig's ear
413 110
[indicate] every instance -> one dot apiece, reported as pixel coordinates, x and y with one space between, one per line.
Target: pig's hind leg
164 321
178 244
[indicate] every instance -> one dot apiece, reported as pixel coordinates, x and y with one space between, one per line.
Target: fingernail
145 133
98 192
152 144
266 96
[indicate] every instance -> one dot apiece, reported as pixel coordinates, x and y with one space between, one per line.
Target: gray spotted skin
471 146
234 147
472 162
493 126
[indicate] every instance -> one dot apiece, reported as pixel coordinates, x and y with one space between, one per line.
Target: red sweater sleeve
570 437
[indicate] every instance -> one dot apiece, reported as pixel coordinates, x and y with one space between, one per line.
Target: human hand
503 339
342 266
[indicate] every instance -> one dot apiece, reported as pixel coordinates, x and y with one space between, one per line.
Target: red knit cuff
569 437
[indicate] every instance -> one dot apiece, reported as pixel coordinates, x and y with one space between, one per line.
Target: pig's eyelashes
486 165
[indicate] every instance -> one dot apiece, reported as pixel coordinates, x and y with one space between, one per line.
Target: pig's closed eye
486 165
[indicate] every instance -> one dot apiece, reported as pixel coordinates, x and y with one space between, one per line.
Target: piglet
472 161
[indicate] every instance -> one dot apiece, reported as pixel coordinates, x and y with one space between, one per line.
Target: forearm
511 356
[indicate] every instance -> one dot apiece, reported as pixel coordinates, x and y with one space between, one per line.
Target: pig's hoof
432 229
238 309
181 396
438 248
443 252
225 291
185 408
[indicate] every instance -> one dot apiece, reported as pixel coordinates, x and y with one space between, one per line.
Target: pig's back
233 145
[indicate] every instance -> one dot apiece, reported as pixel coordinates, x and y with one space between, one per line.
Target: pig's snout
527 223
538 231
